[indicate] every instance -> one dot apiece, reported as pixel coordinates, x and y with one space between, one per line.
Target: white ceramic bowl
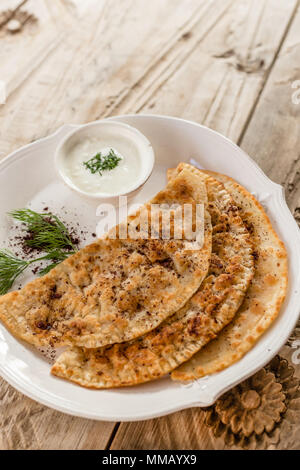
94 129
29 176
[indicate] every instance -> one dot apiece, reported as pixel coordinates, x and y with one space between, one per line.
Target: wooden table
230 65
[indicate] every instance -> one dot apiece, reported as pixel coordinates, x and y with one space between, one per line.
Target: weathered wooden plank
97 61
25 424
181 430
218 83
276 122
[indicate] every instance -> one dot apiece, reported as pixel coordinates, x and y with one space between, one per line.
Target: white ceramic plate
28 177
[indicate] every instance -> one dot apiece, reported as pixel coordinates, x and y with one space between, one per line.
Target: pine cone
250 415
294 336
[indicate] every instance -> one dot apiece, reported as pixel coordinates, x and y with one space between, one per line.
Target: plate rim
208 398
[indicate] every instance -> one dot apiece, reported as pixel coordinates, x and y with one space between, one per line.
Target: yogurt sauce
121 178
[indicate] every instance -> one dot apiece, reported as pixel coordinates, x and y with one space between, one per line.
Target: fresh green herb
45 232
56 256
10 268
100 162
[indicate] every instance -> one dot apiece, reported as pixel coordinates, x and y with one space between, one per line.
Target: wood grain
225 63
89 61
276 122
181 430
25 424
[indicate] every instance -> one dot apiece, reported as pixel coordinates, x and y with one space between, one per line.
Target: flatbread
182 335
115 290
263 299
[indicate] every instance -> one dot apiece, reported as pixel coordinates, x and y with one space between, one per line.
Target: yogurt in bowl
105 159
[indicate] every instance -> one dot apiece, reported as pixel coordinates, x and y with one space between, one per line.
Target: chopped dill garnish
100 162
45 232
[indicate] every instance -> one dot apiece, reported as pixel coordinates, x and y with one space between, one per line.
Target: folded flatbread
262 301
116 290
183 334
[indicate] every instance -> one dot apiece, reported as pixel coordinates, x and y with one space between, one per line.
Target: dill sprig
46 233
56 256
100 162
10 268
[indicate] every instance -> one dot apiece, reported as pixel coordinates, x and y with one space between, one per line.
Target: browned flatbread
184 333
114 290
263 299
